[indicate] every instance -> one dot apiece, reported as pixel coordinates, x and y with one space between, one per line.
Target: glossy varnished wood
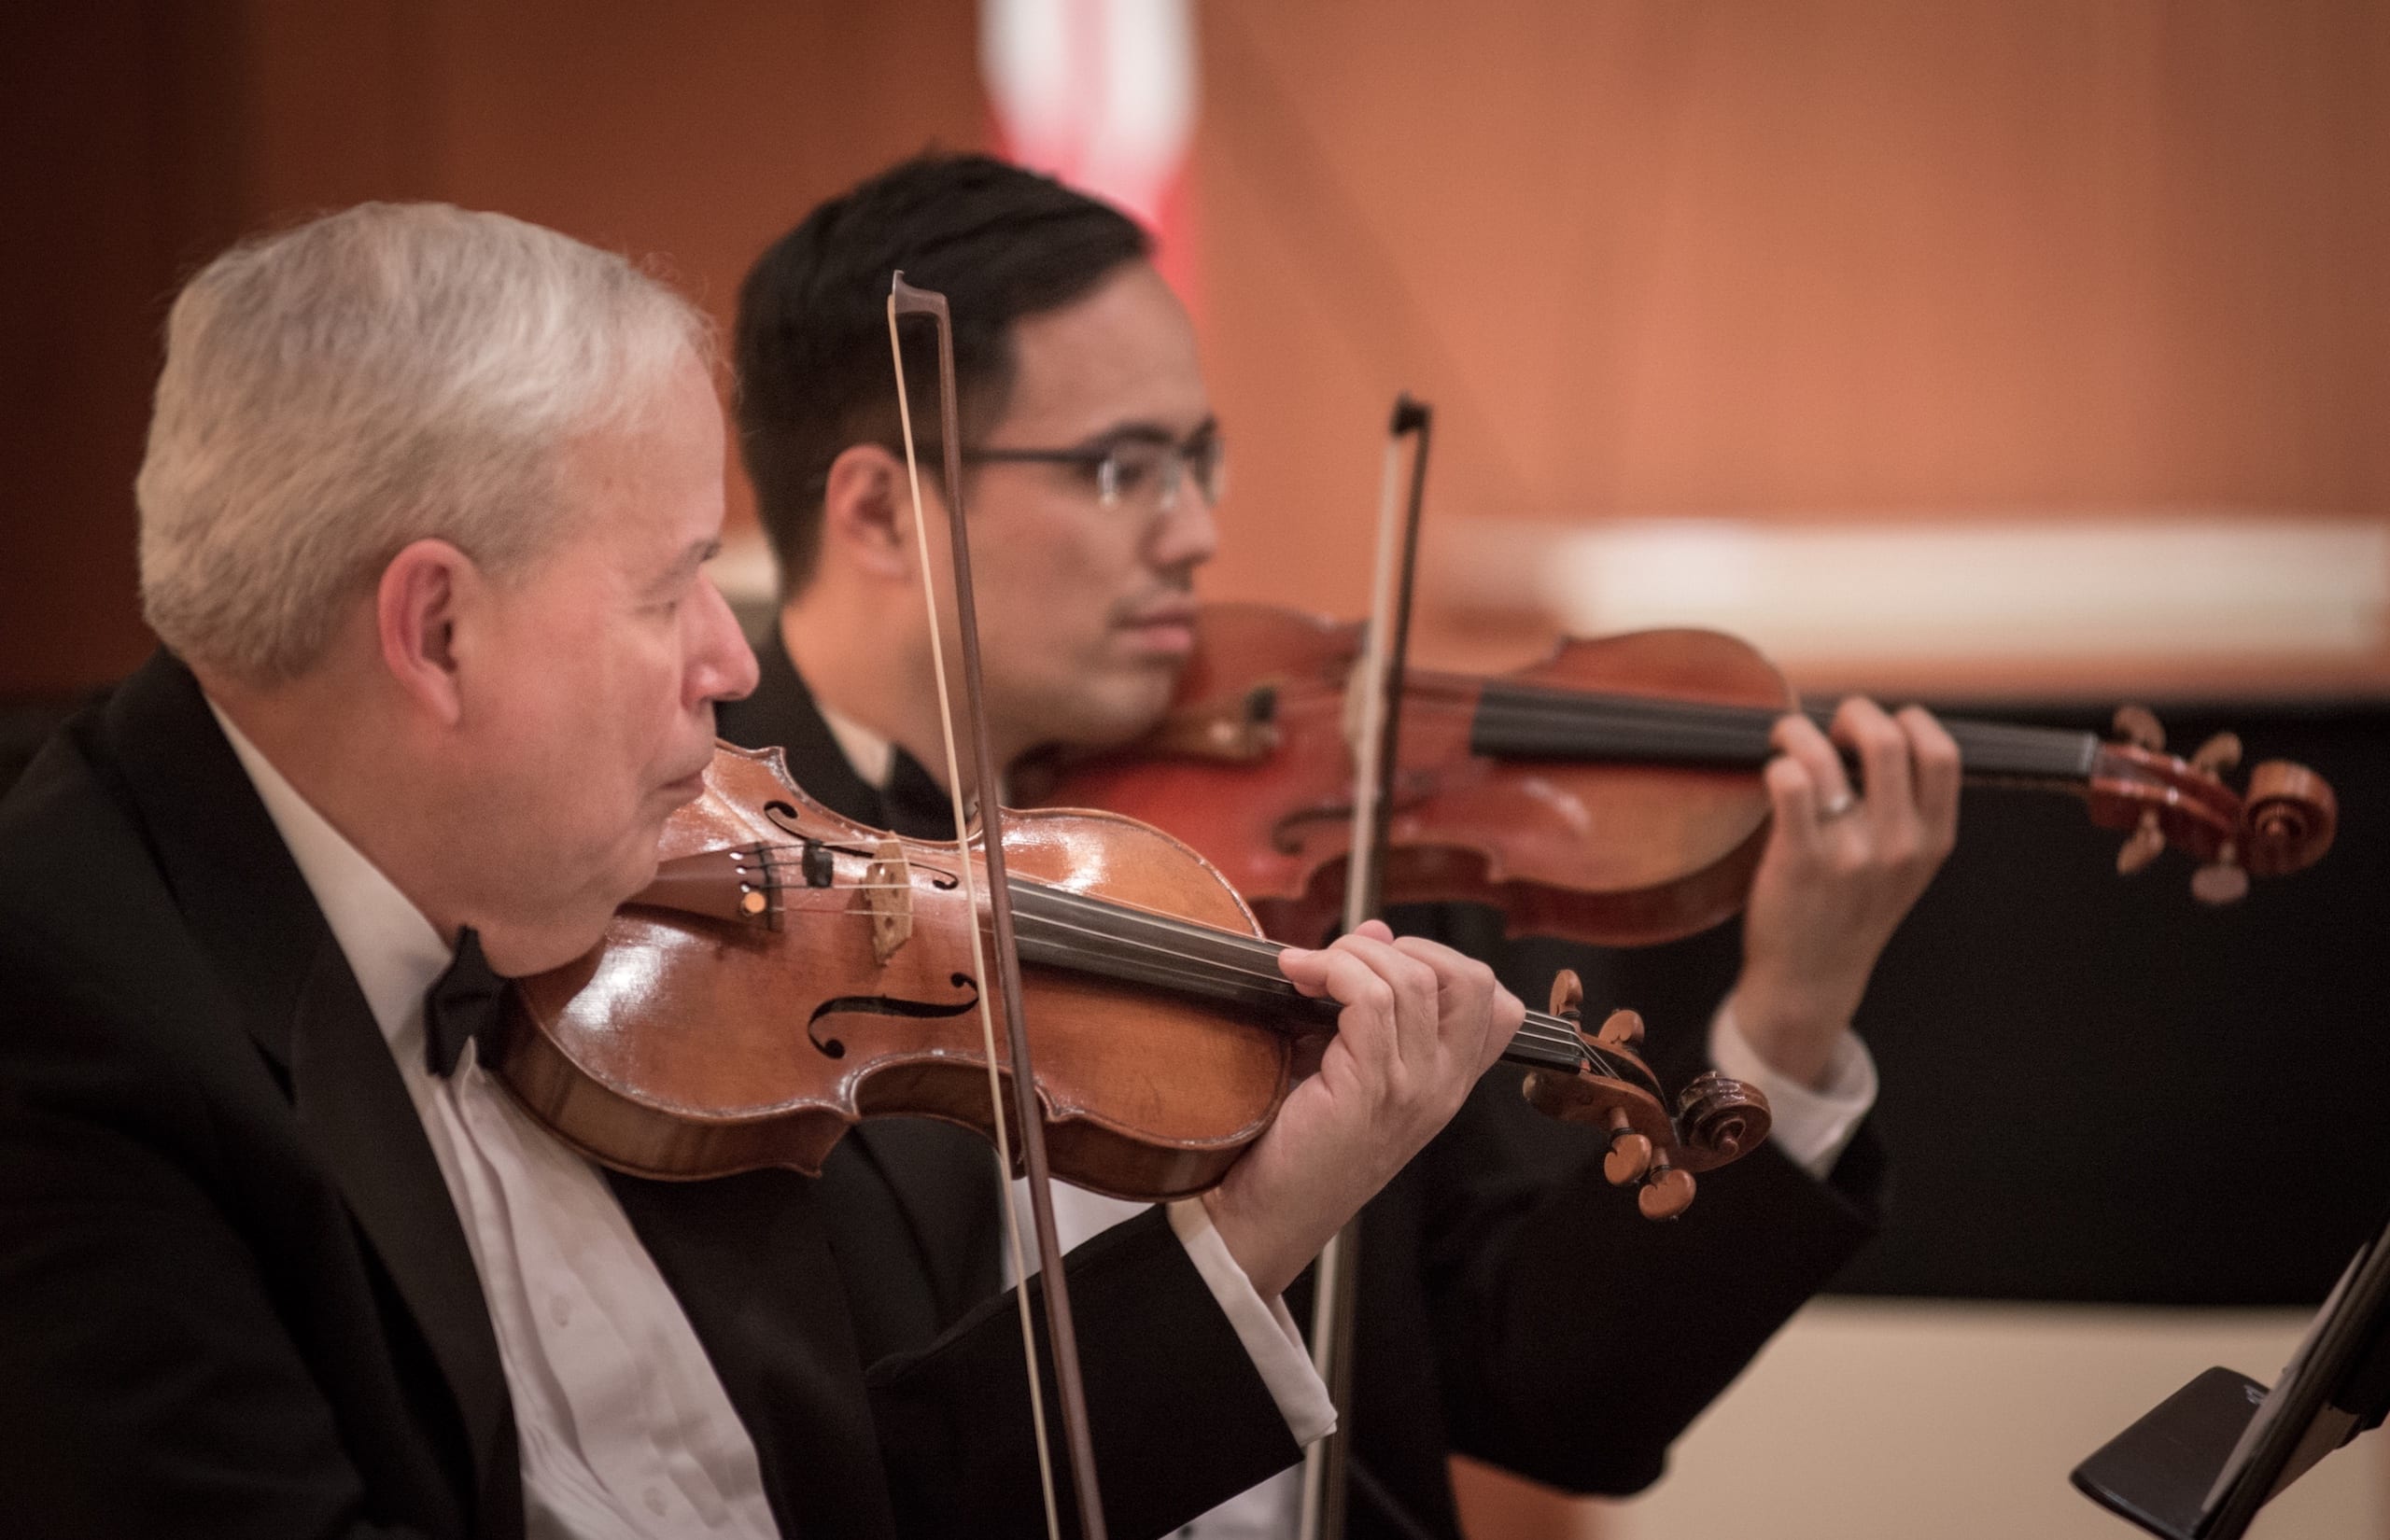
1614 853
689 1047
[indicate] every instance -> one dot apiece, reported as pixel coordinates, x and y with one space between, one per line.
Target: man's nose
723 666
1187 532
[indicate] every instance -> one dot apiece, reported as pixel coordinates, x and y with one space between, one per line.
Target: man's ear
415 610
867 512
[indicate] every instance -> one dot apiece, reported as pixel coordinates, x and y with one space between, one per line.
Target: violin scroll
2290 819
2284 822
1715 1120
1721 1118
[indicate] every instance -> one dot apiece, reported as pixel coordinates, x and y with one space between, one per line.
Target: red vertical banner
1101 93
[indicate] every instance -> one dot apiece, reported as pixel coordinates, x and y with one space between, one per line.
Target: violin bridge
888 897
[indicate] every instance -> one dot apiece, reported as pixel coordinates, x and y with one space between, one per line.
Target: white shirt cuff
1267 1331
1812 1126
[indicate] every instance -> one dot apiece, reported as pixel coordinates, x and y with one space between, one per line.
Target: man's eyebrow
1143 431
696 556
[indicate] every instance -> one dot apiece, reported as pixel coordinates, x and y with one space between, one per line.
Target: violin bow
1027 1121
1376 739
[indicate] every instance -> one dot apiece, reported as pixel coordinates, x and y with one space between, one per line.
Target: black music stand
2200 1464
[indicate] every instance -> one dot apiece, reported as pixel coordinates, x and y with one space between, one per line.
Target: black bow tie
463 1006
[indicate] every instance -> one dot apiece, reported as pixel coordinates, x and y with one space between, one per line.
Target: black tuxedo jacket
236 1299
1512 1305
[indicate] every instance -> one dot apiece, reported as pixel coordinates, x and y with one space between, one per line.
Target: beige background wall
1873 260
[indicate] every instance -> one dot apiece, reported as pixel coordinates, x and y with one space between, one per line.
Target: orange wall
1813 255
1645 256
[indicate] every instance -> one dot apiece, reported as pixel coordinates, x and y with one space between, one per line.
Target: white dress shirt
1811 1126
625 1429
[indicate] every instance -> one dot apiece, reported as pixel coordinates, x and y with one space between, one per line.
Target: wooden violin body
791 972
689 1047
1610 793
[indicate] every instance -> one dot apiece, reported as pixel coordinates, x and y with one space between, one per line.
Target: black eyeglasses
1134 467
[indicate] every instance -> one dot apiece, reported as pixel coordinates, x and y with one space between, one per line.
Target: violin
1610 793
789 973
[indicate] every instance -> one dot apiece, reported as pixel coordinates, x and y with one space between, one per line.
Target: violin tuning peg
1620 1029
2141 847
2138 725
2221 881
2218 753
1568 995
1667 1191
1630 1153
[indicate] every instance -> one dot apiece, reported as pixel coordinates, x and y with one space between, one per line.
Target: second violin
1608 793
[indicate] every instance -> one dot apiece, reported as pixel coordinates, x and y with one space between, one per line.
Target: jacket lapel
257 924
355 1113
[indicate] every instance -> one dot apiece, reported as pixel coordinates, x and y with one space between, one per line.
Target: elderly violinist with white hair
425 515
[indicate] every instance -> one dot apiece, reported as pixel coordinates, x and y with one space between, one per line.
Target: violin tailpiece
740 885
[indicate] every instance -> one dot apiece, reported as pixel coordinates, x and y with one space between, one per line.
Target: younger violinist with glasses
1512 1306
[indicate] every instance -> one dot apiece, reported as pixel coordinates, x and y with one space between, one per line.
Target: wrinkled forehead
1122 354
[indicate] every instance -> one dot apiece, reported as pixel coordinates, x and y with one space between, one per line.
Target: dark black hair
811 339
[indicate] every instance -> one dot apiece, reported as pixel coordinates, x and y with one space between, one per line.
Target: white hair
382 376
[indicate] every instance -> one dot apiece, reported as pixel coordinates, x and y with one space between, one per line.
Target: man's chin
542 949
681 793
1120 714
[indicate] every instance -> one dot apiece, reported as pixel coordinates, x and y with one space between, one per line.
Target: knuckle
1858 714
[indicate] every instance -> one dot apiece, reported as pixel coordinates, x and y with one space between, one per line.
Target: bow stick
904 300
1377 683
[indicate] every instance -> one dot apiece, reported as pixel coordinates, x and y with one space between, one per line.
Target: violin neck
1060 929
1517 720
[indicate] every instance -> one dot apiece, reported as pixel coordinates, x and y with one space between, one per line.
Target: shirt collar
871 757
390 947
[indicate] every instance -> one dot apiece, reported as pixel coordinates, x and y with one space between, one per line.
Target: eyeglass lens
1139 469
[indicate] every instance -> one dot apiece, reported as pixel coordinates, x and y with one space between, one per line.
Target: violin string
1552 1035
1561 720
1104 922
1263 953
1540 1030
